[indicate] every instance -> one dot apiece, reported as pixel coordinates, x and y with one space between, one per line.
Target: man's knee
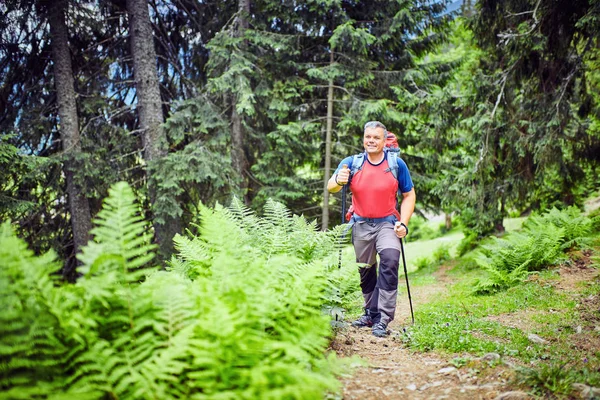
388 269
368 278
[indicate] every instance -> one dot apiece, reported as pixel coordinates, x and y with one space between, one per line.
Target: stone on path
446 370
514 395
536 339
587 392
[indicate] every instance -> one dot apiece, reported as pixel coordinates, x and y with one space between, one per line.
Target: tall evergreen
150 112
537 101
79 208
239 145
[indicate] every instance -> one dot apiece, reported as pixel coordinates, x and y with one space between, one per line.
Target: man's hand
400 229
343 176
337 181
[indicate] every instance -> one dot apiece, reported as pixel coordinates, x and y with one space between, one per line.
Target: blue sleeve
405 183
347 161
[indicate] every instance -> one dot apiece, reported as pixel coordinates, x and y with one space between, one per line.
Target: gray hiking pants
379 290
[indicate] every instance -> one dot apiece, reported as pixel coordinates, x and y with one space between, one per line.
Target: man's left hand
400 230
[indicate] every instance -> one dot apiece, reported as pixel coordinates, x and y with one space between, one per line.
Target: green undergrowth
551 334
458 322
240 312
462 323
541 243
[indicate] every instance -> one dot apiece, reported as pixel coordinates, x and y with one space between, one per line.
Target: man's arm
332 185
409 199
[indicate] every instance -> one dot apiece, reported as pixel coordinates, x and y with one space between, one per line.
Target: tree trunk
499 218
239 161
81 221
328 134
448 222
149 109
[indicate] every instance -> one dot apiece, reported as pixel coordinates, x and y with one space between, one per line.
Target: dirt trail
395 372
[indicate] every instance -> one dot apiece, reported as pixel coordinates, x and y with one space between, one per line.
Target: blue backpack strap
357 162
392 159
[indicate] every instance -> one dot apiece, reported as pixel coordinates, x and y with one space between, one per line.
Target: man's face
374 140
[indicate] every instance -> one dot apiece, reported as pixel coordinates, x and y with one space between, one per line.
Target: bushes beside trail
541 243
238 315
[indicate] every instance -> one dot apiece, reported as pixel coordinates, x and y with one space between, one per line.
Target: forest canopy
495 106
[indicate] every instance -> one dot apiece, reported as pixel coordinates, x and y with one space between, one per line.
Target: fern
255 227
500 279
576 226
228 320
539 245
32 347
121 238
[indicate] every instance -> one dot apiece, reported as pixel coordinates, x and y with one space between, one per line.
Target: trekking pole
344 191
407 285
343 233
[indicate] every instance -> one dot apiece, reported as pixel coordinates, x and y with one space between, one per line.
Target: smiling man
377 227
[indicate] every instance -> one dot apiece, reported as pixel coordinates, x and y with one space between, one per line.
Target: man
376 226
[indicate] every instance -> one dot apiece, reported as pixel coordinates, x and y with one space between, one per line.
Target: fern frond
193 259
233 318
33 345
122 241
576 227
244 215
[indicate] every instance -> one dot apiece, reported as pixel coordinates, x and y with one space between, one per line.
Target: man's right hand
343 176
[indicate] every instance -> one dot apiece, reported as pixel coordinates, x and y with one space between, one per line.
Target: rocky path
395 372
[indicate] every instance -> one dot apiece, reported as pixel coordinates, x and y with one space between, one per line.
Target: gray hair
376 124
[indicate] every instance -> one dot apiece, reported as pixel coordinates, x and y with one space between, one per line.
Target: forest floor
393 371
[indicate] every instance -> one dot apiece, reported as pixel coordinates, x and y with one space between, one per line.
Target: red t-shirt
374 190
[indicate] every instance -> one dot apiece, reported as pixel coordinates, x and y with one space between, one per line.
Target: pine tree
150 113
69 126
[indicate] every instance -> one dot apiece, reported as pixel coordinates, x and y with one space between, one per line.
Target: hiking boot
363 322
380 329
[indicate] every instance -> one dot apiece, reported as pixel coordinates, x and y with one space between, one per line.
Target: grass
466 326
425 248
459 321
417 250
461 324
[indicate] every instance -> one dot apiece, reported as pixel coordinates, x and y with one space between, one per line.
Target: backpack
392 151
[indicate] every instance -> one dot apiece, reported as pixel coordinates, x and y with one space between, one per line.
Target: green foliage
441 254
33 345
509 260
121 238
279 233
468 243
239 314
422 229
423 263
28 195
347 35
595 217
575 225
553 378
540 244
